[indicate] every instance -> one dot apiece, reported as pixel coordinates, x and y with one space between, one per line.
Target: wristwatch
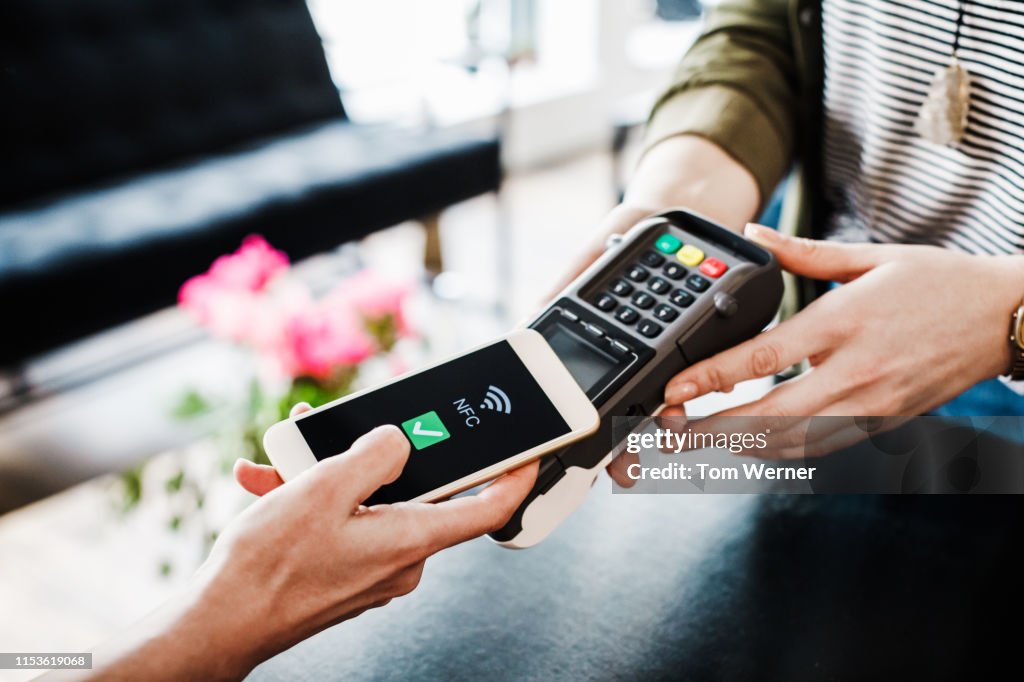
1017 345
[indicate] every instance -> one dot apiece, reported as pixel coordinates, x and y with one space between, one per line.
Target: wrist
1009 297
233 623
184 639
694 173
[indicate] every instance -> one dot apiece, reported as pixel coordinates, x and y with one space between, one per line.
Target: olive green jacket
752 84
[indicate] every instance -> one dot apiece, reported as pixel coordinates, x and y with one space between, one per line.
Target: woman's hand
911 328
305 556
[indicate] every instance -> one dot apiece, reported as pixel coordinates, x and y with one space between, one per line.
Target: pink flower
229 297
375 297
243 298
321 339
250 267
228 313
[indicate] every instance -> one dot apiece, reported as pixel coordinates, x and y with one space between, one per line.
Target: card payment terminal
676 289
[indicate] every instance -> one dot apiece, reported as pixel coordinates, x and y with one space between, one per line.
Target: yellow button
690 255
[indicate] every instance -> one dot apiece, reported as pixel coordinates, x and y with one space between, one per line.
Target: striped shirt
883 181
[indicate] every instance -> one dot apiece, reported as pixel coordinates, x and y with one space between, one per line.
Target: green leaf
175 523
256 398
384 329
317 392
191 405
174 483
131 488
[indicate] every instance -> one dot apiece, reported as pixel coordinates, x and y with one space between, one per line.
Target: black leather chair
142 138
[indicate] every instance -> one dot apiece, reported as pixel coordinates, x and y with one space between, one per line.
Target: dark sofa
142 138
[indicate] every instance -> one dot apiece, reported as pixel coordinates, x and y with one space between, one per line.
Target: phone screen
460 417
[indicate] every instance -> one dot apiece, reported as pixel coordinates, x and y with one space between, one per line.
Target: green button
425 430
668 244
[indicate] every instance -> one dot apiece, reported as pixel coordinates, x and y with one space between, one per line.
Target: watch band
1017 345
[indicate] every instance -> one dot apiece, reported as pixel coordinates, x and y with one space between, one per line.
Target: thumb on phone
375 459
260 479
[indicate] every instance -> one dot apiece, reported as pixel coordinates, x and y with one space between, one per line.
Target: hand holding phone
468 419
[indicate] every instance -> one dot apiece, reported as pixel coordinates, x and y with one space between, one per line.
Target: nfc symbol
497 400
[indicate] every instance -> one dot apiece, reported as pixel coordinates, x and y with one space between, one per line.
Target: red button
713 267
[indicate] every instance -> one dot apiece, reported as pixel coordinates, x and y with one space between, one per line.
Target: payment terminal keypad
651 291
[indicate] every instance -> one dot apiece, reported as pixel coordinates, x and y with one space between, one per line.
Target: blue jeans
988 399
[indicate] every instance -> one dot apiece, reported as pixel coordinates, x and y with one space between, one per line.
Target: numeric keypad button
666 313
627 315
606 302
652 259
649 328
637 273
674 271
621 287
681 298
697 283
659 285
643 300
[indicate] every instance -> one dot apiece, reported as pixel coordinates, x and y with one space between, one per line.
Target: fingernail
675 395
760 233
377 433
299 408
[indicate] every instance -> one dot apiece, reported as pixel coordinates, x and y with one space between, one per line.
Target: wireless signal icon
496 400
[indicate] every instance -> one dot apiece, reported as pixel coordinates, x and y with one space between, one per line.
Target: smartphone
468 419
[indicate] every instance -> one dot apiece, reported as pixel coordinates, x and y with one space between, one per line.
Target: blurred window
453 54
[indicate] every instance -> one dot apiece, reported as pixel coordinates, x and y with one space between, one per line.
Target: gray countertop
699 587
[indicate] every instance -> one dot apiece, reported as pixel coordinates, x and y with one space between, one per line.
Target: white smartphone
468 419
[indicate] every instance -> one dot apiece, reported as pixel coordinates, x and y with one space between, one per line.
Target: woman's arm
738 87
721 137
